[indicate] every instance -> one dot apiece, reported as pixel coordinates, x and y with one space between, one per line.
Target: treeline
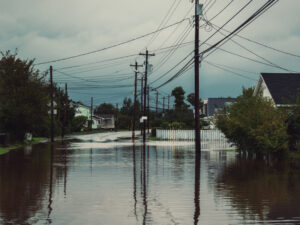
25 101
258 128
180 116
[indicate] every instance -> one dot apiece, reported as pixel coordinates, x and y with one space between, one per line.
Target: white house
281 88
82 110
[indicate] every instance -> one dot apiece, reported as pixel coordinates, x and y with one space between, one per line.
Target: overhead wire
109 47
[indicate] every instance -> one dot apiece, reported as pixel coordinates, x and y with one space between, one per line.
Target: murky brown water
121 184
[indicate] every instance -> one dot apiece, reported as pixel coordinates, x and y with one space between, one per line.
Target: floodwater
91 181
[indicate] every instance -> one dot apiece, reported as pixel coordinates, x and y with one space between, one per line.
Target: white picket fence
210 139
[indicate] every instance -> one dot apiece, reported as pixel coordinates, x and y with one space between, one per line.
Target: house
281 88
212 106
107 121
82 110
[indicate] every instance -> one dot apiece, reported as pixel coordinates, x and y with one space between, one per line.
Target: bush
78 123
254 125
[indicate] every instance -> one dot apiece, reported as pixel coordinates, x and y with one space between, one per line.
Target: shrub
254 125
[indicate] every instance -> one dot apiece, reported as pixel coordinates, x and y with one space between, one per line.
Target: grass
294 155
35 140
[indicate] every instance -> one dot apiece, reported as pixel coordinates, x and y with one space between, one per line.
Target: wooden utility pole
65 104
134 104
156 101
51 105
168 102
198 11
142 107
148 111
145 91
164 104
91 113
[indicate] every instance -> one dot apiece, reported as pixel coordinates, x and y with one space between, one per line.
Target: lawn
36 140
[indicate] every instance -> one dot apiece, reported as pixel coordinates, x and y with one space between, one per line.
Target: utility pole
66 104
198 11
52 110
168 102
92 113
145 91
164 104
142 107
135 90
156 101
148 111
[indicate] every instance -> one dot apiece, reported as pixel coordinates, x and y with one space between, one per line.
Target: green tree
178 93
79 123
105 108
254 125
191 100
24 96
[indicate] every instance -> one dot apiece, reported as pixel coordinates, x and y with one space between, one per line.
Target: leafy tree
191 100
24 96
254 125
105 108
178 93
79 123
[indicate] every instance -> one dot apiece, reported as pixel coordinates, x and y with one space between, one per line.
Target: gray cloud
48 30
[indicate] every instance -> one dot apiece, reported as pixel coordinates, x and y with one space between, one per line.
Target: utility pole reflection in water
50 184
134 177
144 185
65 172
197 188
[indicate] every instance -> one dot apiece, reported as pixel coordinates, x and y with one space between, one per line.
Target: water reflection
262 190
140 184
197 188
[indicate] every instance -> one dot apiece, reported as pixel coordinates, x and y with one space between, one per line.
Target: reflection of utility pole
168 102
134 104
52 110
134 179
145 91
50 183
197 189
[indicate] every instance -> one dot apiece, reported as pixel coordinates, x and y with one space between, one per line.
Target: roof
282 86
214 103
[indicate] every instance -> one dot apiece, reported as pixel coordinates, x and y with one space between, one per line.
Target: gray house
281 88
216 105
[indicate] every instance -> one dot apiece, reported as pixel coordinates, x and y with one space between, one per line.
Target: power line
109 47
259 43
230 71
164 21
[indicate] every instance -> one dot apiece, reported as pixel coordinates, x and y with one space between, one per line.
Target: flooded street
98 180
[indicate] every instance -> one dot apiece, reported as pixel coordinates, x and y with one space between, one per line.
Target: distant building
82 110
106 121
212 106
281 88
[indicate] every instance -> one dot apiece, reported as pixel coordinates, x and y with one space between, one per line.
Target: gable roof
214 103
282 86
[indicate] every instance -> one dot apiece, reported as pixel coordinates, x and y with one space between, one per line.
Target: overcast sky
48 30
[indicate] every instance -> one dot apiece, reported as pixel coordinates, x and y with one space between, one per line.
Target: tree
105 108
79 123
24 96
254 125
191 100
178 93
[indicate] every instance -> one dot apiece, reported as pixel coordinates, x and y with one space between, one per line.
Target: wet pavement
100 179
